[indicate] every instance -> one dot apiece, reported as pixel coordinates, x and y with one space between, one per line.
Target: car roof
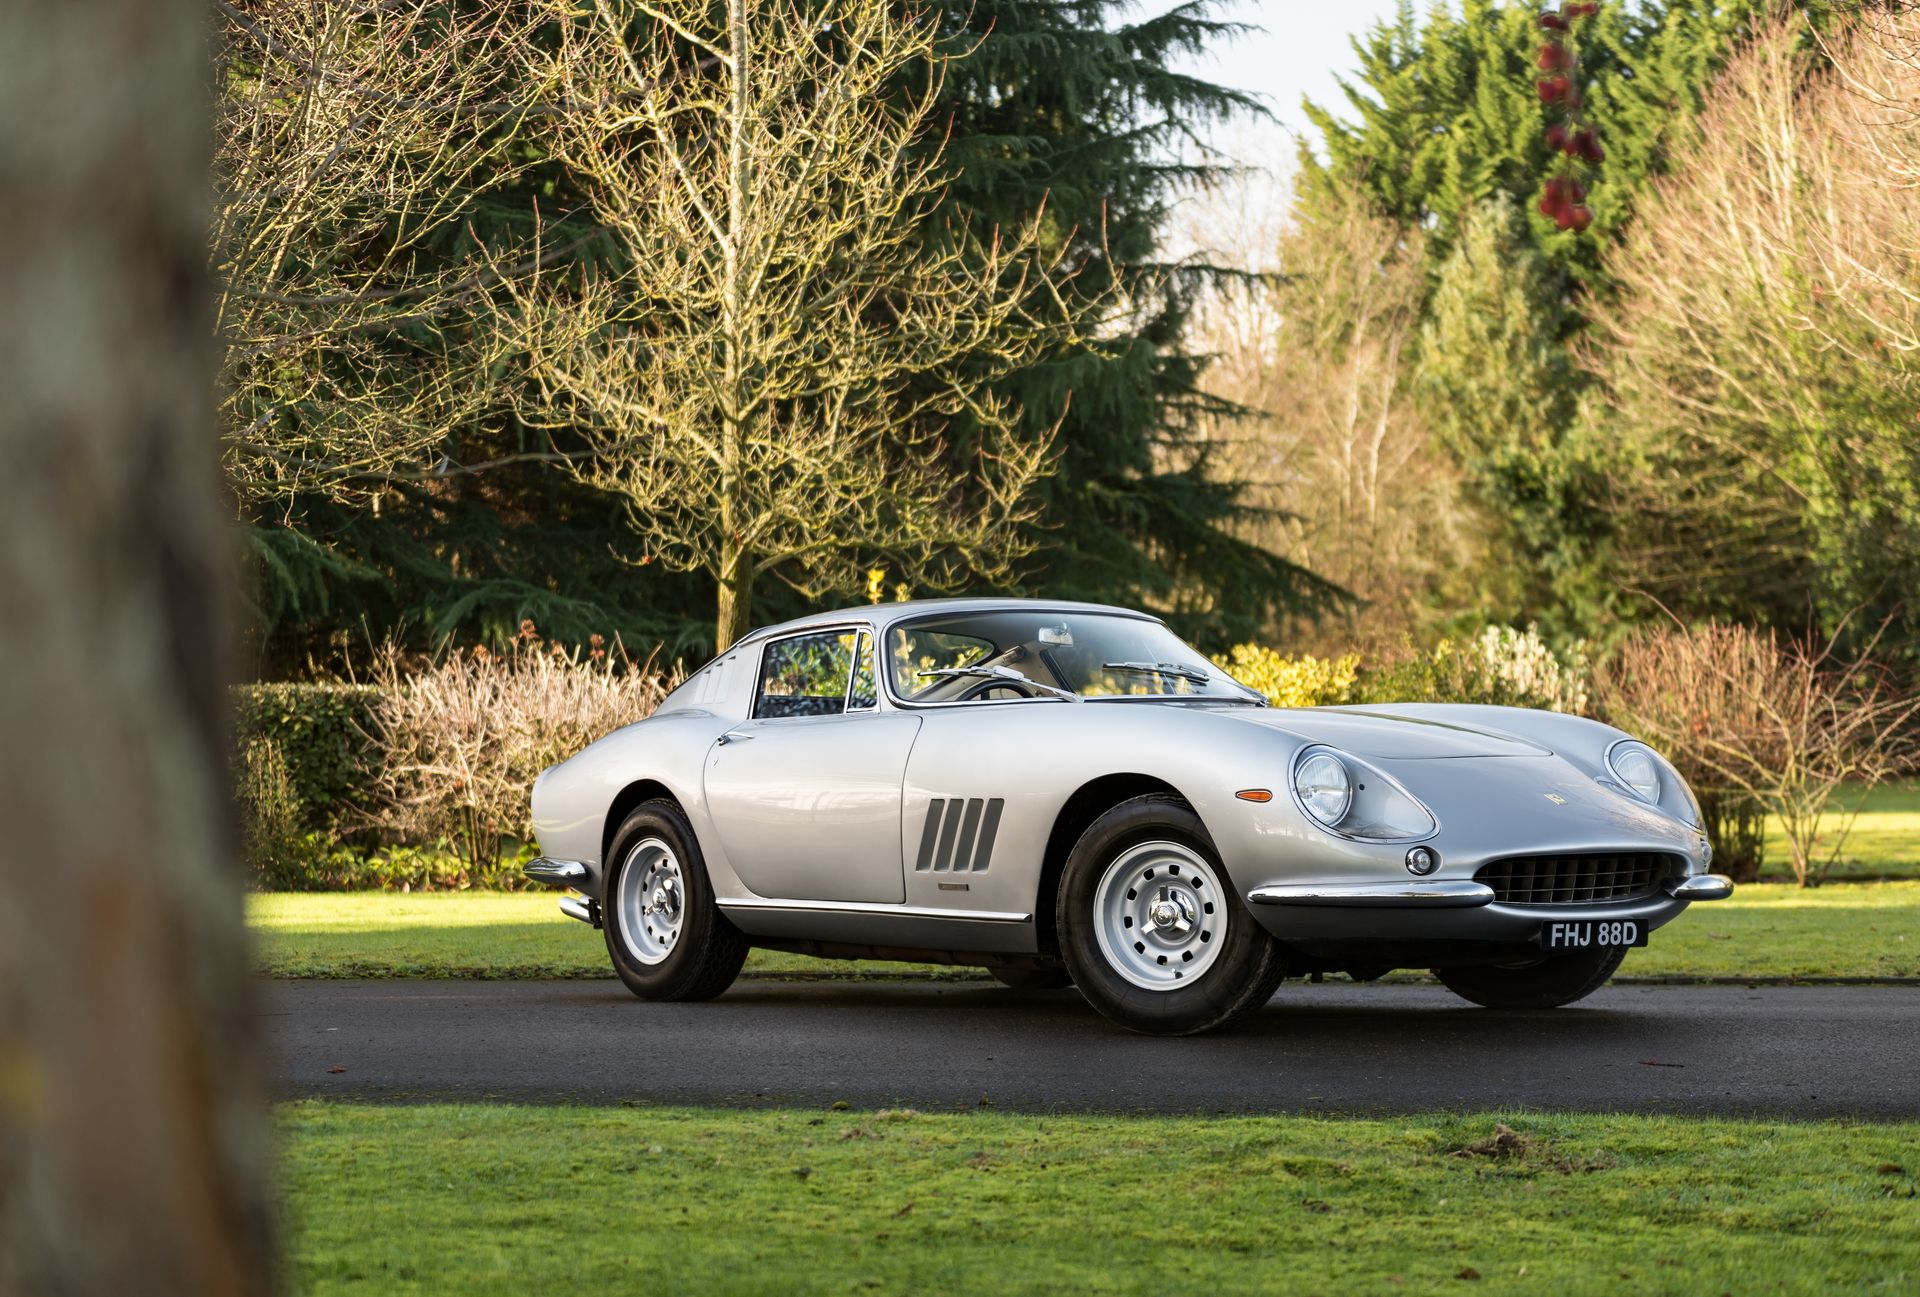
883 615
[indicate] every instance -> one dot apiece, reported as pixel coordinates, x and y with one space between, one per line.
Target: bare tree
1314 340
132 1123
1778 724
759 377
1760 357
354 305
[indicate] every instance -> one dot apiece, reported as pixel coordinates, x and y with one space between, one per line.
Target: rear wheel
1151 928
667 938
1542 984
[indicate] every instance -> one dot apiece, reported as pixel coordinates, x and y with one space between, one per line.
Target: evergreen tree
1064 104
1501 396
1058 104
1445 115
1445 130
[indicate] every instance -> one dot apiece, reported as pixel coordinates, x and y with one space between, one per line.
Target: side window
863 695
805 675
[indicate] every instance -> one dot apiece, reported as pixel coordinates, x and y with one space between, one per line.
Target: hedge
322 731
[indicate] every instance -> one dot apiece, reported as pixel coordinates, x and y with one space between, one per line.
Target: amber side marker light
1255 794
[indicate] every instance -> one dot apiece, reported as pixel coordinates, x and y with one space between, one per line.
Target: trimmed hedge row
323 732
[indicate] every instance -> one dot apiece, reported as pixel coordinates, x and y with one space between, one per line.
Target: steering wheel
983 688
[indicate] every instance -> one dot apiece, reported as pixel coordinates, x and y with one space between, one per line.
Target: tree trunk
132 1129
736 601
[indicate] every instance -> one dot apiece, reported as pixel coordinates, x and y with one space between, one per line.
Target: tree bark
132 1129
736 601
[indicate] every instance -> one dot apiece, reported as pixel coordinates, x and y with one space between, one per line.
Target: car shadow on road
1418 1015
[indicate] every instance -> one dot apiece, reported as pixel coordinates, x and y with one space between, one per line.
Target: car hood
1388 737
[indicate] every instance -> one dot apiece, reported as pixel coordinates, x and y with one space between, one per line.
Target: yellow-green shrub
1305 681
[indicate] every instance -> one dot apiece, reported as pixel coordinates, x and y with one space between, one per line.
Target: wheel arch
624 802
1086 804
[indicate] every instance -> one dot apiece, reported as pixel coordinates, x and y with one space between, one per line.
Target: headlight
1635 766
1347 796
1324 787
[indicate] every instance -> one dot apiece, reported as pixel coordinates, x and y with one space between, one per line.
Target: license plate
1584 934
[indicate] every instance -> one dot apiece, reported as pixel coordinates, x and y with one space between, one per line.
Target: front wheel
667 938
1151 928
1543 984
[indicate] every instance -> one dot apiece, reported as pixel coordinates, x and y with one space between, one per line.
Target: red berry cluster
1576 146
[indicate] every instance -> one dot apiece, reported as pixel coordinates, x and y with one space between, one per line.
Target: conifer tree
1068 105
1501 395
1443 113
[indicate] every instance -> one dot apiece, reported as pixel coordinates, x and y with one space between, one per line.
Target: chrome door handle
730 737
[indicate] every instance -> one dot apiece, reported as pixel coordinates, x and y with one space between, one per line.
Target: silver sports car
1067 793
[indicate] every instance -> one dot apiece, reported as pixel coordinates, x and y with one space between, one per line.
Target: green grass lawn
1765 930
1884 843
467 934
509 1200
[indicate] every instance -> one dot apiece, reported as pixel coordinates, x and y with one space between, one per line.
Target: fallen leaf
336 1069
1648 1062
1892 1168
802 1172
903 1211
1468 1273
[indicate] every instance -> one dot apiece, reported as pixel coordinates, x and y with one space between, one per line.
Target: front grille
1577 880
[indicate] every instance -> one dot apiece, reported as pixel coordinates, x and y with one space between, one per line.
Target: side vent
958 836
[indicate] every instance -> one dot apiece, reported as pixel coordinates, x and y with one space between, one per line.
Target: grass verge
485 1199
1884 843
1859 930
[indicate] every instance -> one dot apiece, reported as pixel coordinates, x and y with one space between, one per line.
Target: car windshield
988 656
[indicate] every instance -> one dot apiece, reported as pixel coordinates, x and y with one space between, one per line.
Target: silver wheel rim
1160 914
652 900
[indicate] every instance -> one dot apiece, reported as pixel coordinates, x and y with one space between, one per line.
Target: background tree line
450 282
1699 407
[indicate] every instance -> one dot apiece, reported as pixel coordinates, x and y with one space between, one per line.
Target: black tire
1022 977
1241 977
1548 984
705 957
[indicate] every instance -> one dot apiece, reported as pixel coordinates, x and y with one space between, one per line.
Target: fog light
1422 861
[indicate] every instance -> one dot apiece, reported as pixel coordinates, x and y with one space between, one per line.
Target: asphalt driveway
1786 1051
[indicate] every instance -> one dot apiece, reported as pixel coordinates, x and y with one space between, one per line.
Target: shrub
320 734
1291 682
463 740
273 837
1499 666
326 866
1760 725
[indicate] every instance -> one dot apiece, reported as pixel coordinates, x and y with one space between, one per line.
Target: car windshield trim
1242 694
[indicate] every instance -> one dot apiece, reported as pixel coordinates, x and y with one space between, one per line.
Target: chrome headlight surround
1637 768
1375 807
1323 785
1644 775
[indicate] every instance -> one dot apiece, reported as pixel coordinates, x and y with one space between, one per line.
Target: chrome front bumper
1452 894
1447 894
1402 911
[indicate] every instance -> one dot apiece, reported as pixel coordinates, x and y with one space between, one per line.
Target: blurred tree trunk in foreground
132 1136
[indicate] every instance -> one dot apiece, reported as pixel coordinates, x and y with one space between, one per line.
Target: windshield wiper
1191 674
1001 673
